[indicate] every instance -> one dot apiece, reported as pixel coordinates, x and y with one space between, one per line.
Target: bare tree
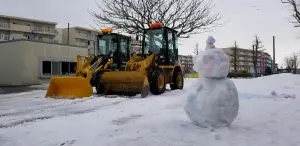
256 51
295 62
234 56
188 17
296 10
292 62
288 63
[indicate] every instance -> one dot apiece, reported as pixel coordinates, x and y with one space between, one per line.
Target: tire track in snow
47 113
28 110
22 94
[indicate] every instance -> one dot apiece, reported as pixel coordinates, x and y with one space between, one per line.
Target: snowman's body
213 102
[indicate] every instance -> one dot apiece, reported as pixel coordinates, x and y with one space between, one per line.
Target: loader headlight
161 57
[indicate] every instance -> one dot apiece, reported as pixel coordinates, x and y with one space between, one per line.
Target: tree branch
296 11
188 17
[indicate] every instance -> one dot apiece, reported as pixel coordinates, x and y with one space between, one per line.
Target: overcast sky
243 20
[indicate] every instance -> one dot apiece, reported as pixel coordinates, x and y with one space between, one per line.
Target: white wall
59 36
20 61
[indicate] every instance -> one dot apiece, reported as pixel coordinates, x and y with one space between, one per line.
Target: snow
264 119
212 63
213 102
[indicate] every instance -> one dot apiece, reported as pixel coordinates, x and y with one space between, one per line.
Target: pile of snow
157 120
273 86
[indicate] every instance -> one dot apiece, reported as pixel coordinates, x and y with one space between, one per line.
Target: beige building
59 36
245 60
186 62
136 45
27 62
13 28
79 36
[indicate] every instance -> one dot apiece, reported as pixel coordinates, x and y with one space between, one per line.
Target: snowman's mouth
207 66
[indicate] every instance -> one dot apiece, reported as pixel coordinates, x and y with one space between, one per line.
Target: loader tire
157 82
178 81
100 86
95 80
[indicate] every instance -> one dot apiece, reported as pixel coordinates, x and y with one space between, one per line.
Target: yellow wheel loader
150 70
113 51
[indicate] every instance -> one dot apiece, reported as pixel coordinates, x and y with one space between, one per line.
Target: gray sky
243 20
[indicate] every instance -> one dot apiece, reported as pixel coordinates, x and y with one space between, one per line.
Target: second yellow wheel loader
149 70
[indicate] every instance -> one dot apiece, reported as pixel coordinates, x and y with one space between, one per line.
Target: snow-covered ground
265 118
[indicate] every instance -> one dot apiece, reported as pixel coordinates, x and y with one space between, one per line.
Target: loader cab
161 41
115 46
114 43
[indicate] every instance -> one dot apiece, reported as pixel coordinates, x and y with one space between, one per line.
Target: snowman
213 102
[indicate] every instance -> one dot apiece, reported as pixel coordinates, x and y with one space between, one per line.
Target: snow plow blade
70 87
125 83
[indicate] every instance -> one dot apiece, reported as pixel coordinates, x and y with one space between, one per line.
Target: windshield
107 44
124 46
154 41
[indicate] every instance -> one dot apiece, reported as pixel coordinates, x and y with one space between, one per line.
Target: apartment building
245 60
136 45
80 36
186 62
266 64
14 28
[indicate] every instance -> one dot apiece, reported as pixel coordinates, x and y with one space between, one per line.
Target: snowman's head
213 62
210 43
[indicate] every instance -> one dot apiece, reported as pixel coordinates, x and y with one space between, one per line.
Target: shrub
191 75
239 74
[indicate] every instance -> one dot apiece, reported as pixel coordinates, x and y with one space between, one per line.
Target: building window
46 67
58 68
65 68
72 67
55 68
68 68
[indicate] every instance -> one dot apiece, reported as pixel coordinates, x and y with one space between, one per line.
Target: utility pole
68 33
273 63
95 43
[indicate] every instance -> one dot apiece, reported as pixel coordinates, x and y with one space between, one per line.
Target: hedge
237 74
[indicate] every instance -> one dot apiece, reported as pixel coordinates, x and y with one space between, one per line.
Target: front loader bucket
69 87
125 83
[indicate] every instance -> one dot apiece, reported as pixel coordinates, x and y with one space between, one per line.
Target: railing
86 36
4 37
83 36
45 30
4 25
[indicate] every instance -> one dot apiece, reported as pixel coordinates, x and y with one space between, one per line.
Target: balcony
4 37
21 28
83 36
4 25
28 28
44 30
